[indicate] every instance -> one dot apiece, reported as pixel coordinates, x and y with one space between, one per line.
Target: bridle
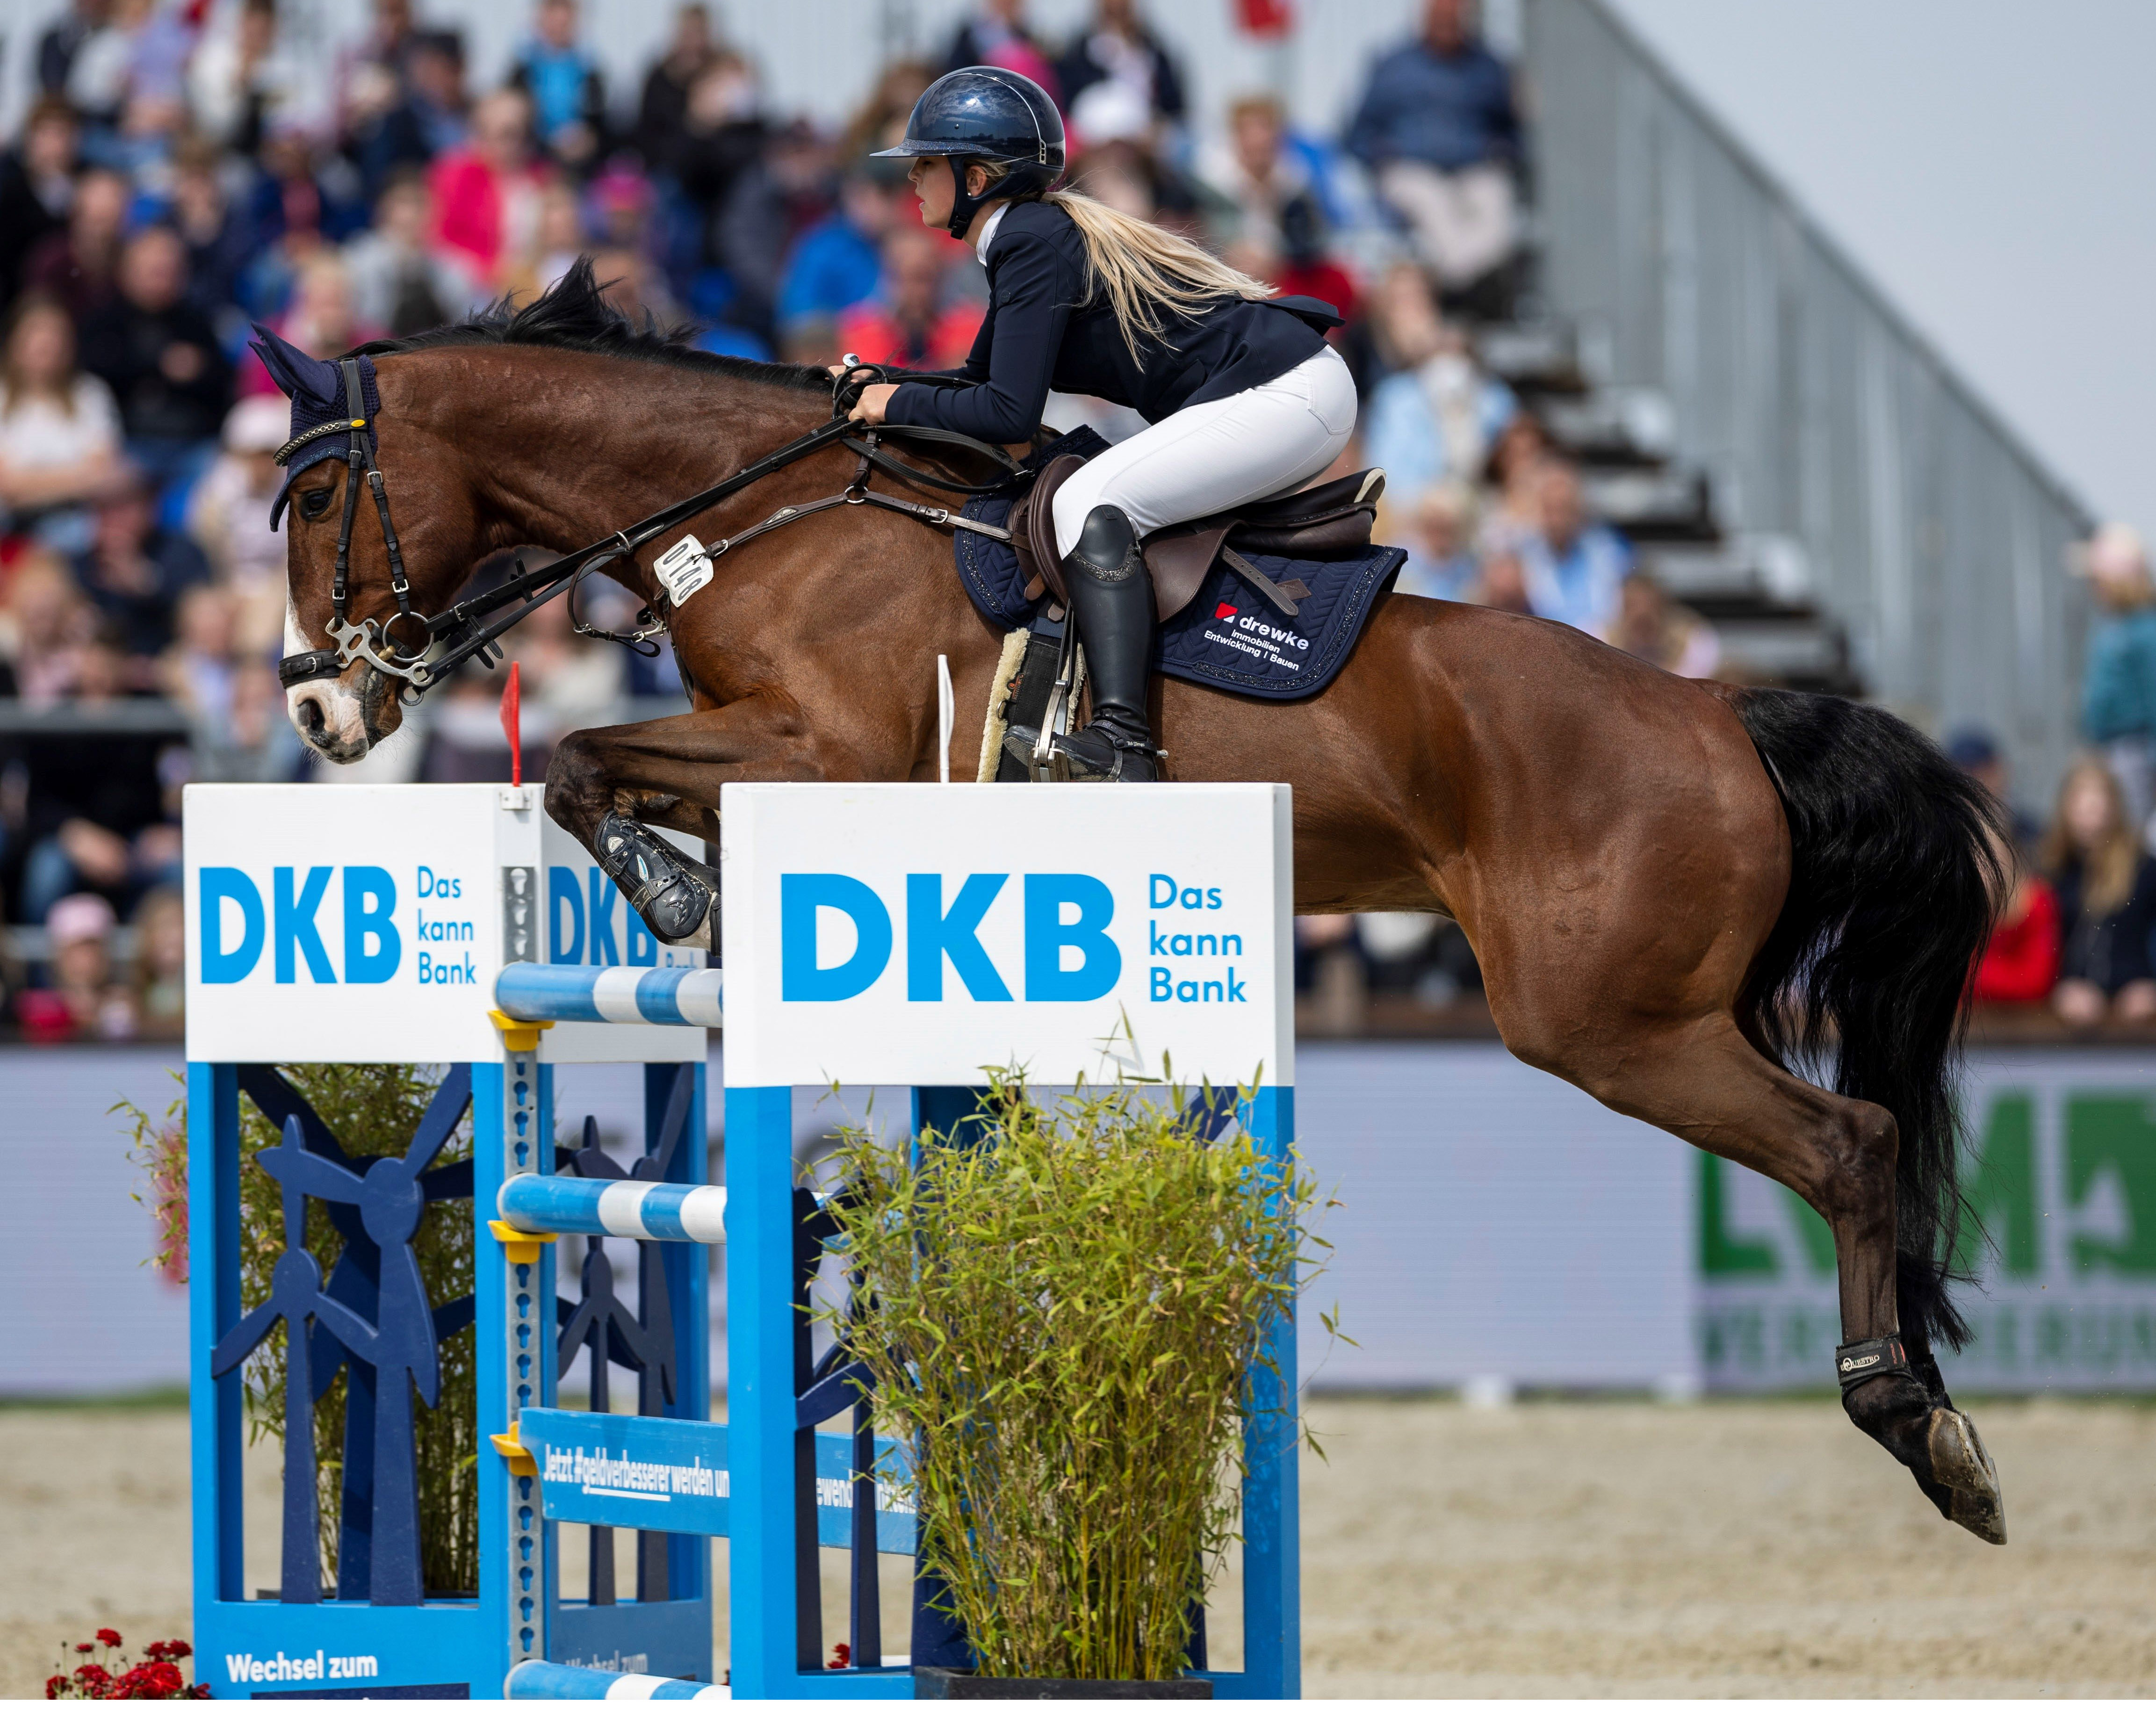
472 628
362 640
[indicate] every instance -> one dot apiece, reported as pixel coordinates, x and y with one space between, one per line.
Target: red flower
840 1653
56 1686
110 1637
85 1647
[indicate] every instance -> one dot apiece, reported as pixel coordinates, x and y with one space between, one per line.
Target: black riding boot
1112 603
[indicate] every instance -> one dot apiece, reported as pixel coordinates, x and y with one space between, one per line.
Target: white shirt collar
988 230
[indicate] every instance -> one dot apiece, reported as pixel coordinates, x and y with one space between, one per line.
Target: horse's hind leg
1706 1084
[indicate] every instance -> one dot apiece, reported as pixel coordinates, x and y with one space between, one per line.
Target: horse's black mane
574 314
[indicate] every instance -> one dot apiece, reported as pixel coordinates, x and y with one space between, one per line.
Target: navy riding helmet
986 114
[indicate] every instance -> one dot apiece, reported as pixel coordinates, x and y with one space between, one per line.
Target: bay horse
1685 897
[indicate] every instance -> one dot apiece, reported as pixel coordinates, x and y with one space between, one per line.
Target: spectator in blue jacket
1438 414
1575 568
835 266
1438 127
567 88
2118 678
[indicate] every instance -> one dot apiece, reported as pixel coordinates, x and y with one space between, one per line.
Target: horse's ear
300 375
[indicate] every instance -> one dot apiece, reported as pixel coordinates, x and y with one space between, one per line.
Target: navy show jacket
1042 332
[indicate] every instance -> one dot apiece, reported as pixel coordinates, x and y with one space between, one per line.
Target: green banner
2059 1167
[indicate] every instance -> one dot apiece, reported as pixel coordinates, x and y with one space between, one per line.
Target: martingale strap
470 636
1856 1363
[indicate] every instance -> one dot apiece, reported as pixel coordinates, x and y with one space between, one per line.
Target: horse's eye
313 505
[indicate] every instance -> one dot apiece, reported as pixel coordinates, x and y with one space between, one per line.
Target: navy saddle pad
1229 636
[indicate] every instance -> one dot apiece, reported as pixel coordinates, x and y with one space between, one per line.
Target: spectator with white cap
81 999
229 516
1121 49
2119 677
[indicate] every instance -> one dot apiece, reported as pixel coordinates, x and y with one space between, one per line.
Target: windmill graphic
374 1315
295 1299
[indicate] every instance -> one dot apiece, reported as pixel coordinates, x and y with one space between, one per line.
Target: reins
471 629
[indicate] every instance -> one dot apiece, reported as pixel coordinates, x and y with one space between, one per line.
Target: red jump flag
510 726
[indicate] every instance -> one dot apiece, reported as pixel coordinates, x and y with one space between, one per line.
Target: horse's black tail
1893 889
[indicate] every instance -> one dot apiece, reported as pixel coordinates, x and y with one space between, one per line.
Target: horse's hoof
1962 1467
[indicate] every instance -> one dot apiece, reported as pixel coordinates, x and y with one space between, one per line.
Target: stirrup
673 894
1134 763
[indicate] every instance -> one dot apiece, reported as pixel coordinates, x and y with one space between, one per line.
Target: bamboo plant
1062 1311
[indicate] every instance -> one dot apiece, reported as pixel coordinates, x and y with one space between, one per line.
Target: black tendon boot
1112 603
672 894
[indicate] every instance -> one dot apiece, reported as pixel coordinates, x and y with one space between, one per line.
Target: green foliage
1062 1318
373 1111
161 1151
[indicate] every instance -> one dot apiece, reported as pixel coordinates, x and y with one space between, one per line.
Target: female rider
1243 398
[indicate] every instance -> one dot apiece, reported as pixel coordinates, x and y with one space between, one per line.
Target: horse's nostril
311 715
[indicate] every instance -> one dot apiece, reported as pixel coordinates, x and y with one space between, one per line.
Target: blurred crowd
2079 931
184 172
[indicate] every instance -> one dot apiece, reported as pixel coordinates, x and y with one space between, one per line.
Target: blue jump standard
771 1483
608 994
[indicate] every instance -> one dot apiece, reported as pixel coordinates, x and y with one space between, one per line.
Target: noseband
472 629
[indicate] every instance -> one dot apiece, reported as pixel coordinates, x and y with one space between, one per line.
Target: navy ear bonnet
317 388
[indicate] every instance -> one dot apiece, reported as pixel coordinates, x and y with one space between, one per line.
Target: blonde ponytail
1142 269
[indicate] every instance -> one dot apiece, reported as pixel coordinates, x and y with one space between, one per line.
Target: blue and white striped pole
609 994
623 1209
536 1680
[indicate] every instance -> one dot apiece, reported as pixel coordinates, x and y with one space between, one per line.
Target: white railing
1819 411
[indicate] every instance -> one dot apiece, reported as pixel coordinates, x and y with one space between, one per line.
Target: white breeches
1258 443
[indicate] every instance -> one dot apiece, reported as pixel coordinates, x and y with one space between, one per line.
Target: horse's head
343 710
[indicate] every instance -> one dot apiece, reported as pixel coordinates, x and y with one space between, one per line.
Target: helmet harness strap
964 206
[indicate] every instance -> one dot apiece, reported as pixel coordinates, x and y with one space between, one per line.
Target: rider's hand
874 399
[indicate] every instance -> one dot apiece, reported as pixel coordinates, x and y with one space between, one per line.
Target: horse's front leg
605 785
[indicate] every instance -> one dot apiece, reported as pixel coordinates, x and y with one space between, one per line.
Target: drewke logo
1269 632
1224 609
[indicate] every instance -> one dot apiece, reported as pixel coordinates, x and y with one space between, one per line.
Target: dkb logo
1064 915
371 947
